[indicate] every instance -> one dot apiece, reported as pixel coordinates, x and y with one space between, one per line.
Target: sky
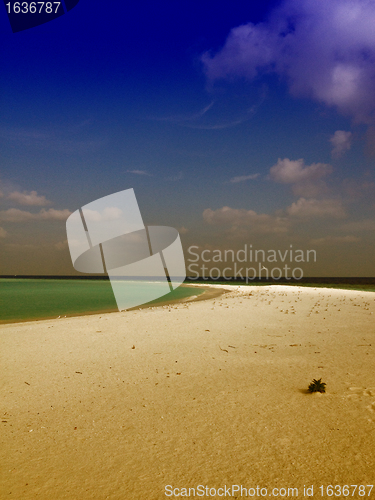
243 125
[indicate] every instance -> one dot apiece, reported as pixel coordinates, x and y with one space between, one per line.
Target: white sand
214 393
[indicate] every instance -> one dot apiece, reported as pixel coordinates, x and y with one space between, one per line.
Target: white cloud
292 171
316 208
61 245
175 178
236 218
370 141
109 213
243 178
362 225
306 180
138 172
335 239
28 198
323 50
16 215
3 233
22 246
225 112
185 117
53 140
355 189
247 48
54 214
341 142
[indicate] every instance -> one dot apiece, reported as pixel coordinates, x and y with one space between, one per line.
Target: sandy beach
210 392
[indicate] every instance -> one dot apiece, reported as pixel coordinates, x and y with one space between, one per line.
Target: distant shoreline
352 280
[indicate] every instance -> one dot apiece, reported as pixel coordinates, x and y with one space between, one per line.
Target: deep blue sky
170 99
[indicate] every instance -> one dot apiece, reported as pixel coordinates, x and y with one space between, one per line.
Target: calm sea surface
30 299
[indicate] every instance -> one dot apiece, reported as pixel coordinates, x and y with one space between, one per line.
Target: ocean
31 299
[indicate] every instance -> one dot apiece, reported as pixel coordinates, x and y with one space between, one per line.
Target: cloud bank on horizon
341 142
323 50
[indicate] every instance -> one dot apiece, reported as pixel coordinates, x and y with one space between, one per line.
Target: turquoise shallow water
30 299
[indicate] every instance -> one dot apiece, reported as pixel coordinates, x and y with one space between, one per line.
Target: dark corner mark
24 15
69 4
